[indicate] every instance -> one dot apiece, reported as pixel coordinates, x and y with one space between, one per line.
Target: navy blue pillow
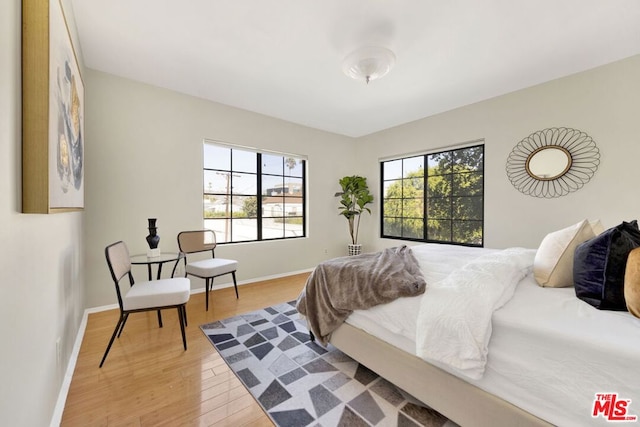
599 265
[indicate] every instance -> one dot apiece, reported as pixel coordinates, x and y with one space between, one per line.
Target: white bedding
454 321
549 352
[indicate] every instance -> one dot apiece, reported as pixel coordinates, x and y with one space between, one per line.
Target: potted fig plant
354 198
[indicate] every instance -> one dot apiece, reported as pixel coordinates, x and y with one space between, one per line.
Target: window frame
425 199
234 172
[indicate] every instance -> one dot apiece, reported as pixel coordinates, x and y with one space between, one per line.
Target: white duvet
452 323
454 317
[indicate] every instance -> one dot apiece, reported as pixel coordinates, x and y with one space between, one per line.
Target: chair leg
159 319
235 284
207 281
124 321
182 315
121 321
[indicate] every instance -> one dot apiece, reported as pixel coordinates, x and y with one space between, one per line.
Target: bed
548 354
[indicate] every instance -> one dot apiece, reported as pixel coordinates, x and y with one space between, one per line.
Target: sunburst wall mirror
553 162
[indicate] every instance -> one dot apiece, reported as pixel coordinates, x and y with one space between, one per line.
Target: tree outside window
443 202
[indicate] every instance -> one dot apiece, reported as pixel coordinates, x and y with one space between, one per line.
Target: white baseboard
56 418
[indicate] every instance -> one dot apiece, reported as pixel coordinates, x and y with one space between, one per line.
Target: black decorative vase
153 239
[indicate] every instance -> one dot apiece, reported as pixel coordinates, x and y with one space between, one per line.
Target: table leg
158 278
149 272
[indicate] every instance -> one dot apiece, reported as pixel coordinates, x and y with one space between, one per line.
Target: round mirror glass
547 163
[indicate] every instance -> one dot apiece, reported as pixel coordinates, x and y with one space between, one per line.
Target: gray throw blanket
337 287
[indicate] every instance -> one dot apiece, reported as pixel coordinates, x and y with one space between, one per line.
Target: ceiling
283 58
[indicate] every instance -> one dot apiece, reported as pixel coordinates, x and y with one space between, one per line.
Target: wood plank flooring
149 380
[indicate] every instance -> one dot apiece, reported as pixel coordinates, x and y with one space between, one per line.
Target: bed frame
454 398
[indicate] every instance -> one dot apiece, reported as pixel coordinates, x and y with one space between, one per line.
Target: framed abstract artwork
52 112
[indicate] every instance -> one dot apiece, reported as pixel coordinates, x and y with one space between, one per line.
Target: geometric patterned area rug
300 383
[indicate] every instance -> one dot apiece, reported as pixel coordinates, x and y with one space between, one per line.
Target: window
443 202
250 196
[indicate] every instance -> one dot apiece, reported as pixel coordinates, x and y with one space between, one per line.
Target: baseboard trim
56 418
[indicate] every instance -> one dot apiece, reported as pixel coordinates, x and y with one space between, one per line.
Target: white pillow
553 264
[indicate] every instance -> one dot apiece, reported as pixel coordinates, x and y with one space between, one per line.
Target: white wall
602 102
144 159
41 265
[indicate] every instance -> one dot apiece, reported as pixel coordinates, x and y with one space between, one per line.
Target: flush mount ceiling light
368 63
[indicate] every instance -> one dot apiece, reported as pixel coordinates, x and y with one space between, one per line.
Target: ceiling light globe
368 63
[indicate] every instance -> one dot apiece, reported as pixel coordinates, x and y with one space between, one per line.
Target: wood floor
149 380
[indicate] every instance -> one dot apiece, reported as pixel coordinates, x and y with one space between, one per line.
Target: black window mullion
284 198
230 196
259 194
425 189
402 198
451 203
382 199
304 195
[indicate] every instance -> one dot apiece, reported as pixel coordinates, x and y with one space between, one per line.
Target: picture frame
52 112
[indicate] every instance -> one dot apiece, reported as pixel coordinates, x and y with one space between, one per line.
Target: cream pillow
553 264
596 226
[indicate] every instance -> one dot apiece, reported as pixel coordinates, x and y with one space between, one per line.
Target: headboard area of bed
593 261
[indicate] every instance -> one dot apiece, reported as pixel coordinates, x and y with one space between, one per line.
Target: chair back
119 264
197 241
118 260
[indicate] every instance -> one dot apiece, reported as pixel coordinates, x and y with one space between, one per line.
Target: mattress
549 353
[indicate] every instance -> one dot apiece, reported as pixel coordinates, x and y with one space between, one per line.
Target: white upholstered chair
144 296
191 242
